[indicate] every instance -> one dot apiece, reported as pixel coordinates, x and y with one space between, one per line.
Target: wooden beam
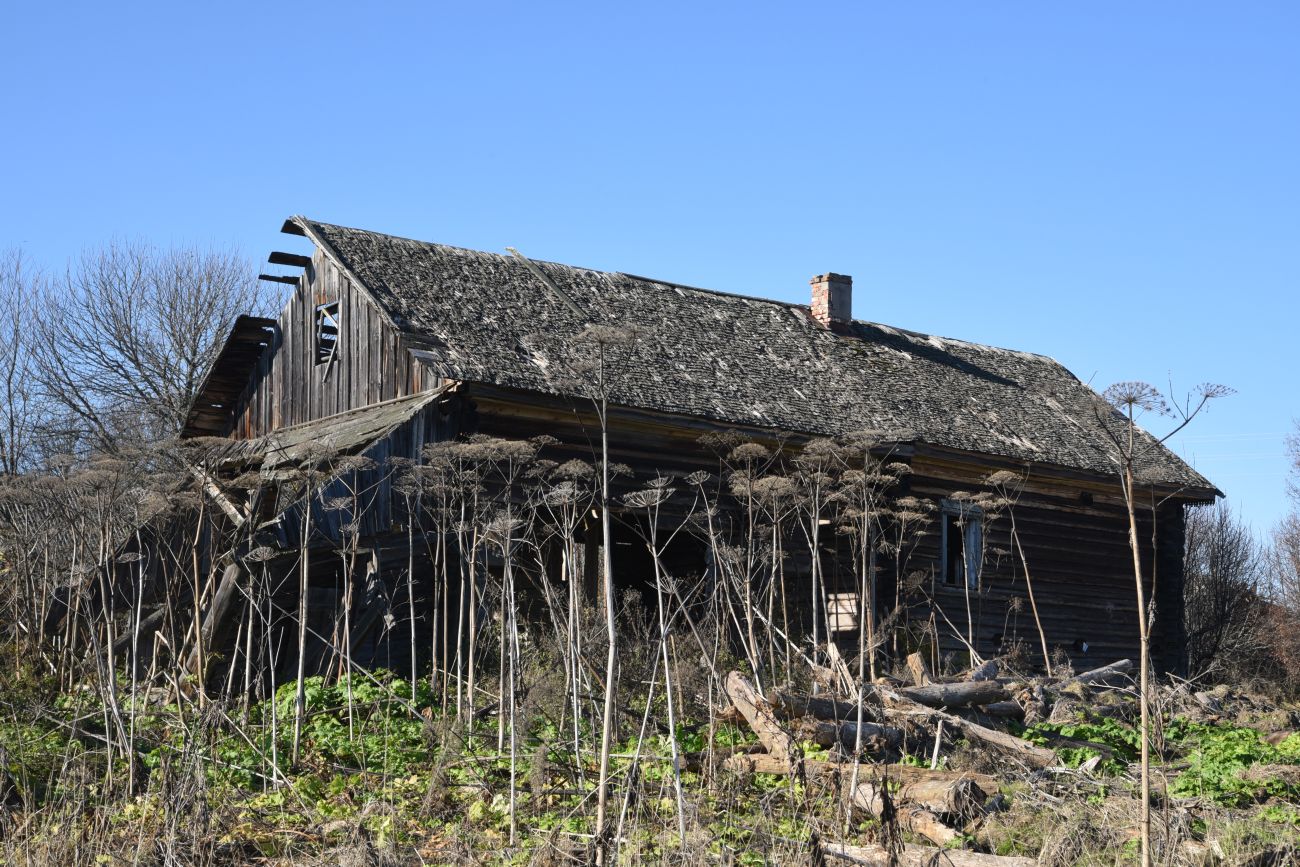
223 502
215 618
292 259
278 278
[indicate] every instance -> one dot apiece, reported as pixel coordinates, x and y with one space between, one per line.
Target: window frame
969 518
329 313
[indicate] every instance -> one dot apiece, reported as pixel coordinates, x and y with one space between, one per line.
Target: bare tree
123 344
20 290
1222 581
1283 569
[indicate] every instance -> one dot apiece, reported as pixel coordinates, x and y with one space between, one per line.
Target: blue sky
1116 185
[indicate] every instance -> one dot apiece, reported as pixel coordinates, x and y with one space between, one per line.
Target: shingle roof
487 317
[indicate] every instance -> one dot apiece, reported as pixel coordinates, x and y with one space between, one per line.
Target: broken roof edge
283 446
222 358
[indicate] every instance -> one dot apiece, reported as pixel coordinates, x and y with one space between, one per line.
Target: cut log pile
866 735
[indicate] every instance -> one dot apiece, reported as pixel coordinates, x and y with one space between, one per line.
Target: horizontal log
1009 709
292 259
825 733
960 798
762 763
794 704
1031 755
875 855
1100 675
956 694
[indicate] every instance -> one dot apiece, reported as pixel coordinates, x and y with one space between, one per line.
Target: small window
961 546
327 332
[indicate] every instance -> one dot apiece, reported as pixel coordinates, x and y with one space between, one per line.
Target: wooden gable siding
371 365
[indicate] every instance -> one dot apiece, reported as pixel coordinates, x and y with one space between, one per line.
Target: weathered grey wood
762 763
793 705
762 719
917 667
960 798
825 733
216 617
956 694
291 259
1010 745
1100 675
231 511
1011 709
874 855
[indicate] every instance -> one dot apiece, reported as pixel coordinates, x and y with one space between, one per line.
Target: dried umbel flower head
649 498
769 489
749 453
261 554
819 452
563 494
574 470
1003 479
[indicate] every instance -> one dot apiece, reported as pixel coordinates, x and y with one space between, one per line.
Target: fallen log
1010 709
922 822
1099 675
695 762
875 855
762 763
794 704
762 719
936 695
956 694
825 733
1031 755
961 798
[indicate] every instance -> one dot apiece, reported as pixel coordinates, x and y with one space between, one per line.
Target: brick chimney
832 300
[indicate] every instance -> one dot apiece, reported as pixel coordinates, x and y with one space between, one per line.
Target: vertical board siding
288 387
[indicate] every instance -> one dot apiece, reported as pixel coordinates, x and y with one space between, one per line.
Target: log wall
1073 531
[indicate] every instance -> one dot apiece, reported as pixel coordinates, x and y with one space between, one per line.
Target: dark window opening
961 545
327 331
952 550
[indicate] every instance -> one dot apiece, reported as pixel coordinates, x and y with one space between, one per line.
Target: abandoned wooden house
388 345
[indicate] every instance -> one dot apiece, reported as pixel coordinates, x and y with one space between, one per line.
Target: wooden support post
216 617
